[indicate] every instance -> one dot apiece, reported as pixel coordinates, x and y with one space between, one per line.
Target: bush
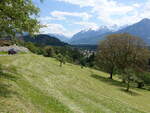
49 51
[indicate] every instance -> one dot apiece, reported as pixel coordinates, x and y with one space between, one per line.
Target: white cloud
81 3
60 15
114 12
139 12
145 10
56 28
87 25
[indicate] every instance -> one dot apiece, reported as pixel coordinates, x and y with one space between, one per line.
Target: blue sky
68 17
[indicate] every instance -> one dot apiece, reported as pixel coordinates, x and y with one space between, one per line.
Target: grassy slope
40 86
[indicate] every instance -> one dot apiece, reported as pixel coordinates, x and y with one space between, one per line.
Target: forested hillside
43 39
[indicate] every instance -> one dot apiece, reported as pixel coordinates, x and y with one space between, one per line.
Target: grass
35 84
6 53
3 52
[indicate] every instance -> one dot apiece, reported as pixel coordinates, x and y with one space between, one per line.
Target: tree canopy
125 54
18 16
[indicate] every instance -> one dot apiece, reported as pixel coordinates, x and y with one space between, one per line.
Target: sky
68 17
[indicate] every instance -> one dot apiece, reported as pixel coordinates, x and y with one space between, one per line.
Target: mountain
140 29
88 36
91 37
43 39
60 37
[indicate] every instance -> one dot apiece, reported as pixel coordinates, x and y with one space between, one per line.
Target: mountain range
84 36
92 37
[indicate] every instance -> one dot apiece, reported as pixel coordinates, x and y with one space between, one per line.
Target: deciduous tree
61 59
125 53
18 16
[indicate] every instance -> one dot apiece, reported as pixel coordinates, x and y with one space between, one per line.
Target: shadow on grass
146 87
5 91
115 83
5 88
8 76
8 73
107 80
132 93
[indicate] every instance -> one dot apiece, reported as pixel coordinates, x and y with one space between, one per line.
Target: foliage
49 51
43 40
71 54
106 56
61 59
34 48
91 60
145 78
126 53
83 62
17 17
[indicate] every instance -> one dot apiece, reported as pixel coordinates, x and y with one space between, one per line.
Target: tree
61 59
91 60
83 62
144 79
106 56
18 16
125 53
31 47
49 51
132 58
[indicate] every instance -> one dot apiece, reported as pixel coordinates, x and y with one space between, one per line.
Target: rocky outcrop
15 48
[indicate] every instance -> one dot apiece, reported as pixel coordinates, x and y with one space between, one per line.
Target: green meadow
36 84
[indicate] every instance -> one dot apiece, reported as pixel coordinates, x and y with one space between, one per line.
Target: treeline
43 39
65 53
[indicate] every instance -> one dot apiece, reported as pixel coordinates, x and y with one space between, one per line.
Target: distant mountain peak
84 36
140 29
104 27
87 29
145 20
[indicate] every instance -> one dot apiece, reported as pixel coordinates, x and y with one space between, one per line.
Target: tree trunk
128 85
111 75
140 84
123 80
60 64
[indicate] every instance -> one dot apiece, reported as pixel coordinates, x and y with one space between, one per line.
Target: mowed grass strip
44 87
